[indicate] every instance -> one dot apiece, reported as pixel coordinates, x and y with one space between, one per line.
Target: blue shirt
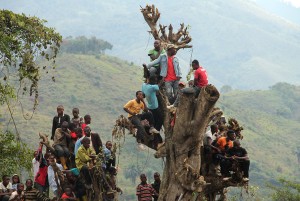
150 92
77 145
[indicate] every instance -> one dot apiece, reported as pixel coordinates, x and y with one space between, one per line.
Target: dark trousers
86 175
226 166
61 151
136 120
158 120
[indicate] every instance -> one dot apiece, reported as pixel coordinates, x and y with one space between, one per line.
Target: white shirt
3 188
14 195
35 166
51 177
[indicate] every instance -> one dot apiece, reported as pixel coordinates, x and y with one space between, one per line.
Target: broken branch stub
180 39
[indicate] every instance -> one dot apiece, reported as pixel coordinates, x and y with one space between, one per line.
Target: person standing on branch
59 119
170 71
133 108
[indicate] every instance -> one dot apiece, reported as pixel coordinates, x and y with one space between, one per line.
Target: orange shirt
222 141
134 106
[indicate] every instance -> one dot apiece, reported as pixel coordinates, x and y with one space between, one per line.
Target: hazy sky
295 3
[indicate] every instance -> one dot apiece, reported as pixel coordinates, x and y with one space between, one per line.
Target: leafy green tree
131 173
24 41
286 191
226 89
14 155
83 45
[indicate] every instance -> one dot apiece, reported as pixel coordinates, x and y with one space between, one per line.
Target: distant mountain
100 86
282 8
239 43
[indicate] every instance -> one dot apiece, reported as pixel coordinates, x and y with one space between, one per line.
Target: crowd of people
76 148
74 153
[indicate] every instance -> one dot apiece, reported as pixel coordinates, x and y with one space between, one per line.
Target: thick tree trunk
181 178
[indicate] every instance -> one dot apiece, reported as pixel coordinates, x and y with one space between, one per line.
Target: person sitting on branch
239 154
133 108
200 80
60 144
85 159
154 54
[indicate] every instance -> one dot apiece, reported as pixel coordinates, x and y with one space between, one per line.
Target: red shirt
171 75
41 176
201 76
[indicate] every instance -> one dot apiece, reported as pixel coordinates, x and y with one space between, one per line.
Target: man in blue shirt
149 89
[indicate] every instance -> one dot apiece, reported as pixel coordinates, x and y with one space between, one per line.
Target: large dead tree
180 39
182 149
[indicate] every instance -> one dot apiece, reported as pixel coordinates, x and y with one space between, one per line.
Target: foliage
286 190
225 89
24 40
14 155
83 45
131 173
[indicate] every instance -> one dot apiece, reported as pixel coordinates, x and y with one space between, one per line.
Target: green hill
100 86
239 43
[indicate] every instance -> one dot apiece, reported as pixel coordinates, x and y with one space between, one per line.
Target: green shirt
155 53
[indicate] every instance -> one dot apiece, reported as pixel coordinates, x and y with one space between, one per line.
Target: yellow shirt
83 156
134 107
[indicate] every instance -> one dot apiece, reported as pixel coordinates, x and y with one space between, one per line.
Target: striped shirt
34 194
145 192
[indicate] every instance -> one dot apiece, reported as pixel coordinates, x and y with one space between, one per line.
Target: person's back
150 92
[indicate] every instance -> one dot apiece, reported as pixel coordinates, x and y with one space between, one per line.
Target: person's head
75 112
231 135
87 119
20 187
152 79
78 132
143 178
64 126
70 177
171 50
223 128
236 143
156 176
68 191
5 180
214 128
87 131
157 45
139 95
35 154
72 127
15 179
60 110
29 184
108 145
191 83
181 85
50 159
112 170
195 64
86 142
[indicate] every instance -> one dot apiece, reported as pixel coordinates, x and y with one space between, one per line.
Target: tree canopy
83 45
24 40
